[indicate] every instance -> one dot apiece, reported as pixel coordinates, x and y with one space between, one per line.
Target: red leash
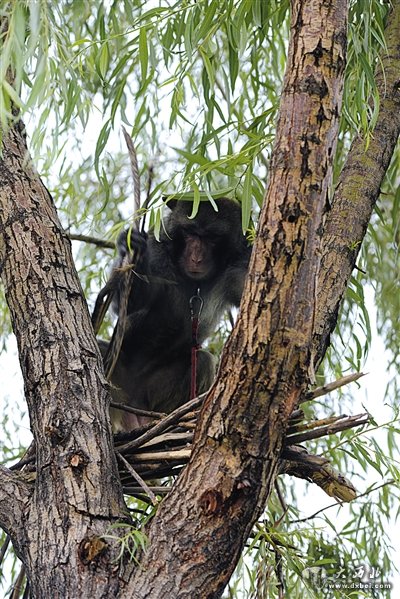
196 305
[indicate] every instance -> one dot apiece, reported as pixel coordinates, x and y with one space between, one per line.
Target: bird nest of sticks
161 449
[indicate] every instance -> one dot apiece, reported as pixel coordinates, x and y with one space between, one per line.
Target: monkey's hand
132 257
131 241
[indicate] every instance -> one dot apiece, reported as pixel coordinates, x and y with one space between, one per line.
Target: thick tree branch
319 471
358 190
77 492
14 500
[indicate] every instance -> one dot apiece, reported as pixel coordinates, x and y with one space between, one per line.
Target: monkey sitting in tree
197 265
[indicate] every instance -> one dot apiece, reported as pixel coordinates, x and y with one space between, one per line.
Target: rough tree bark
197 535
76 493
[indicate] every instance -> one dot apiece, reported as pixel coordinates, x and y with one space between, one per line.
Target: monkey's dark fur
209 253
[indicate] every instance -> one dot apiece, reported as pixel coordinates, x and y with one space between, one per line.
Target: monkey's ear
172 204
170 201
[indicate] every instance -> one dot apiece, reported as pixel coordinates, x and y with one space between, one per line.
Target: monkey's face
196 259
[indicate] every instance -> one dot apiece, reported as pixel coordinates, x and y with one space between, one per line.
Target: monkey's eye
189 232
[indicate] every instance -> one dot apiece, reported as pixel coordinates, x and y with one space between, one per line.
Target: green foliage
130 540
197 84
74 63
366 39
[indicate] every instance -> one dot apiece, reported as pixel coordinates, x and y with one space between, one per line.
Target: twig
23 462
119 278
93 240
130 260
137 478
298 427
345 380
29 457
150 178
26 594
18 584
296 416
189 425
298 462
281 500
4 548
122 438
135 176
279 573
164 424
103 302
341 425
190 416
170 437
156 456
137 411
154 470
155 490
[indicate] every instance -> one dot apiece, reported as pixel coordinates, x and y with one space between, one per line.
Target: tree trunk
77 491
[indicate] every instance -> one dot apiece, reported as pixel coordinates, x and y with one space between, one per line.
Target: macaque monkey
204 257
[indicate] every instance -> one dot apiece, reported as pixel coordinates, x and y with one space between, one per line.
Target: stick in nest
137 478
